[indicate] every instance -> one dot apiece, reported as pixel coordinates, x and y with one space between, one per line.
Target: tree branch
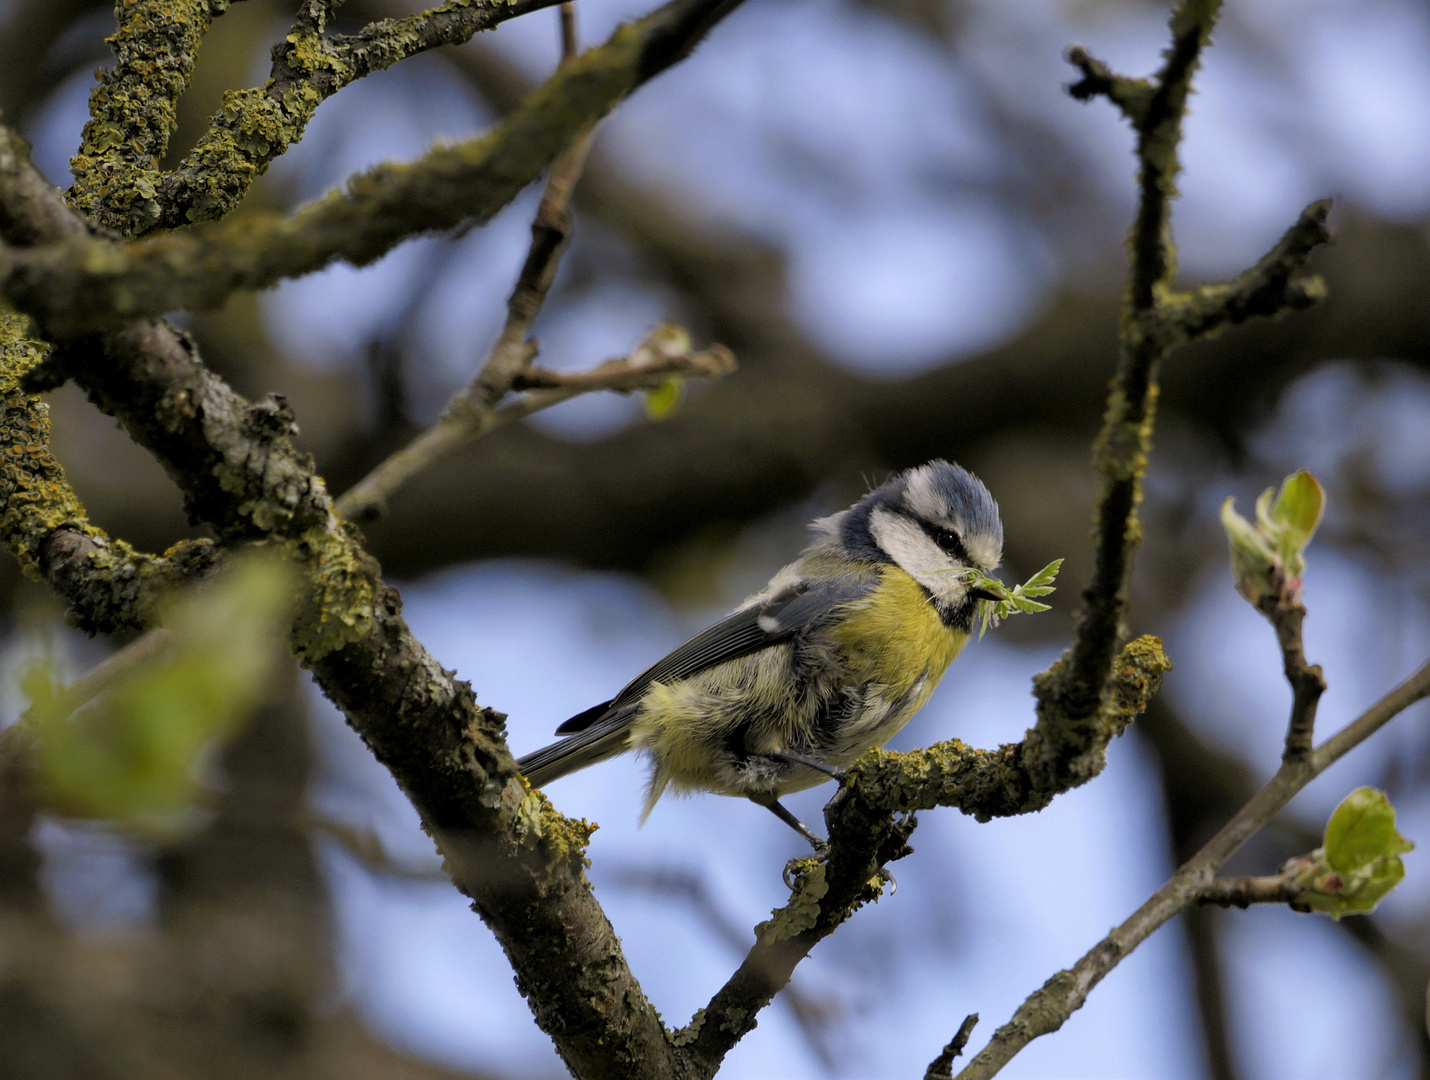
83 286
520 861
474 411
1244 891
1277 284
864 835
1307 682
1120 454
109 586
133 110
665 354
1153 322
257 125
1045 1010
941 1067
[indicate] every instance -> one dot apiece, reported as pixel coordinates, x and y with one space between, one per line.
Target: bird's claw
887 876
793 868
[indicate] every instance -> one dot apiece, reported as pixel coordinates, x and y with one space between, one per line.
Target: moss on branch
133 110
85 285
109 586
255 126
520 861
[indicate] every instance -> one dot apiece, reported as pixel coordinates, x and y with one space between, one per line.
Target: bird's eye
948 540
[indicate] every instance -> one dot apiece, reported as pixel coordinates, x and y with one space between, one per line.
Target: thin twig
477 409
941 1067
550 233
1046 1009
647 368
1307 682
1244 891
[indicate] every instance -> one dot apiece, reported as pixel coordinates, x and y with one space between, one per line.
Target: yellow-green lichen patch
19 353
802 911
133 110
689 1033
341 593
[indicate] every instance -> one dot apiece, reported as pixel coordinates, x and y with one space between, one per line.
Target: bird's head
931 521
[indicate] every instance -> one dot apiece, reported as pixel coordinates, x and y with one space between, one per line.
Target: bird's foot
795 868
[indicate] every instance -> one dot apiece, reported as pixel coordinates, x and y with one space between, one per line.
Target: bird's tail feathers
602 740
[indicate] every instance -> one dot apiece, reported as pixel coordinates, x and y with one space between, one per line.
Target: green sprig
1015 601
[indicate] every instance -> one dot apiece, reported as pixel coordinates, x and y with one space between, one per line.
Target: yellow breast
895 637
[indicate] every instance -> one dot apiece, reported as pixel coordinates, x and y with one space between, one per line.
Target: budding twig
1046 1009
1244 891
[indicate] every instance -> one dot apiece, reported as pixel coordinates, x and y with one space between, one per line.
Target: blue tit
834 656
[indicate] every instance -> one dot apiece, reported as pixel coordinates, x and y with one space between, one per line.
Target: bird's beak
983 594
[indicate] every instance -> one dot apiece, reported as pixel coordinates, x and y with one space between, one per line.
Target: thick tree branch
1045 1010
109 586
133 110
518 859
83 286
257 125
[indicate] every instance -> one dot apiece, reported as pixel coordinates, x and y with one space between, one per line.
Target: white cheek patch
905 541
984 550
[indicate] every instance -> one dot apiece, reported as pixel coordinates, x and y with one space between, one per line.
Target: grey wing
788 612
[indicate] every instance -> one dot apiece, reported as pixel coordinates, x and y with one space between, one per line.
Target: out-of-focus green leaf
1359 861
133 754
661 402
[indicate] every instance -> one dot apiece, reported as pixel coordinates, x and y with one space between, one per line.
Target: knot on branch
272 416
1132 96
62 554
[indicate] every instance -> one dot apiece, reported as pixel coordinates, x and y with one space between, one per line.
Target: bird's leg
821 847
792 758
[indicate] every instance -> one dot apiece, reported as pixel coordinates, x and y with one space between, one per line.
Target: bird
831 658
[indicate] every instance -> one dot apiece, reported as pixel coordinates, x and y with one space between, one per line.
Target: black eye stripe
947 539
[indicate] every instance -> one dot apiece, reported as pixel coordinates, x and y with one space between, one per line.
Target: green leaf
1017 600
1362 830
1269 557
1359 863
661 402
133 755
1298 507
